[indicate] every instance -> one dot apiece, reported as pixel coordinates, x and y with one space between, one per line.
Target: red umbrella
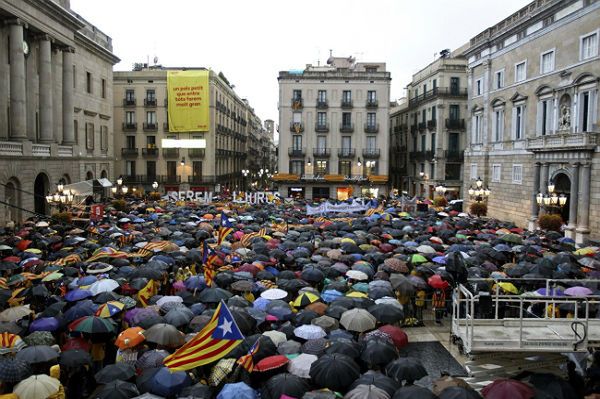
398 336
12 259
76 343
271 362
436 282
23 244
508 389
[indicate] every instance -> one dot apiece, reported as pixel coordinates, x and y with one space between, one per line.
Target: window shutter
539 118
514 123
549 116
593 110
502 125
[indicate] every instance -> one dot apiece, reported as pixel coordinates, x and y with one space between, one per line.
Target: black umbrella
214 295
245 322
336 372
405 369
378 351
75 358
284 384
379 380
13 370
414 392
461 393
344 346
387 313
553 386
37 354
118 371
149 321
198 391
117 390
312 274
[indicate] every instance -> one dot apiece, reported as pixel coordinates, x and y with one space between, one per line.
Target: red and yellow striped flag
247 361
147 292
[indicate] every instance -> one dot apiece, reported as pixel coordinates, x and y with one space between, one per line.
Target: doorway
562 185
41 187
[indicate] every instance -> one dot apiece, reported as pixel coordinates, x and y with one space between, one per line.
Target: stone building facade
55 102
140 123
428 130
533 105
333 130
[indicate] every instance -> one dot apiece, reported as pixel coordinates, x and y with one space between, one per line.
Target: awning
88 187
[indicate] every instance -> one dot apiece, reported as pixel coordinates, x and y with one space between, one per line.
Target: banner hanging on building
188 96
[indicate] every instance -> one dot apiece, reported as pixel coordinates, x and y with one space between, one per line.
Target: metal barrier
514 327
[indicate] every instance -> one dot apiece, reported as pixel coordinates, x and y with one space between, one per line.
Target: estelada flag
247 361
219 337
147 292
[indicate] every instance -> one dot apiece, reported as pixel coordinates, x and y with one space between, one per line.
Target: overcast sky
251 41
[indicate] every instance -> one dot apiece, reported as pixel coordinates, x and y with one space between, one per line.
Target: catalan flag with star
225 229
247 361
219 337
208 259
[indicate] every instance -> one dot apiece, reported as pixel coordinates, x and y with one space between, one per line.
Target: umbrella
179 316
414 392
214 295
37 354
92 325
39 386
13 370
104 285
271 363
305 299
199 391
109 309
334 371
117 390
130 338
239 390
75 358
405 369
444 382
357 275
508 287
301 364
378 352
552 385
40 338
578 291
151 359
164 334
10 343
358 320
309 331
387 313
402 284
399 337
364 391
437 282
276 336
167 382
459 393
77 295
508 389
15 313
274 293
284 384
118 371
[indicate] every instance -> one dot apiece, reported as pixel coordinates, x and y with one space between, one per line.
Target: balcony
413 129
437 92
129 127
149 102
371 153
133 179
321 152
150 152
346 152
322 104
168 179
170 152
587 141
296 127
422 155
372 103
129 152
371 127
196 152
346 104
422 126
454 155
296 152
129 102
321 127
347 127
431 124
150 127
455 124
297 103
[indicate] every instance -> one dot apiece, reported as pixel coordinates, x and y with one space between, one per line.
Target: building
533 113
427 131
56 101
333 123
140 108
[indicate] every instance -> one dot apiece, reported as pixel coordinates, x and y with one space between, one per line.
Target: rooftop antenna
155 60
318 56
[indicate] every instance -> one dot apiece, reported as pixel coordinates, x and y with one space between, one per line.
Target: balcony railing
297 103
454 155
129 152
321 152
435 92
346 152
129 102
322 104
371 127
413 129
322 127
169 179
431 124
422 155
150 127
150 152
372 103
347 127
196 152
422 126
129 127
170 152
572 141
458 124
149 102
371 153
296 127
346 104
296 152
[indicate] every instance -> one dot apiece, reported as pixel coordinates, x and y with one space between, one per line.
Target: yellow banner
188 93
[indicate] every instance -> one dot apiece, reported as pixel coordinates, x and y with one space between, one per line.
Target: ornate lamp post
478 192
440 190
120 190
551 202
245 173
60 198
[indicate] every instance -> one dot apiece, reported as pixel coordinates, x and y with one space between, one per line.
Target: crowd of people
321 302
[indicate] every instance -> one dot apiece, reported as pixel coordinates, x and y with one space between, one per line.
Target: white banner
344 207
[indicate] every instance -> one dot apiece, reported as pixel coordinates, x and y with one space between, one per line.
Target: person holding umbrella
438 300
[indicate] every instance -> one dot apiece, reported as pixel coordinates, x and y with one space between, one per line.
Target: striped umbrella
109 309
92 325
10 343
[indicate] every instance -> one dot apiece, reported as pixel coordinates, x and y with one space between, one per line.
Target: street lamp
440 190
120 189
245 173
155 185
60 198
478 192
552 201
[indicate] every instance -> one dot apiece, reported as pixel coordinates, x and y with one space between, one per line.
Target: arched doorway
103 175
12 197
89 175
41 186
562 185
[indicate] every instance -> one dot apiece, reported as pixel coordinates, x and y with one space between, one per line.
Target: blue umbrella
331 295
44 324
80 309
411 244
272 270
440 259
195 283
550 292
239 390
167 382
502 248
261 303
87 280
77 295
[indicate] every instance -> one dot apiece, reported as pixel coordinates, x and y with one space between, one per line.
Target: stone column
18 116
67 97
573 202
46 119
536 188
583 210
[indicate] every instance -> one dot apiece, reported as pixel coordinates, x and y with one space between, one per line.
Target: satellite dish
155 60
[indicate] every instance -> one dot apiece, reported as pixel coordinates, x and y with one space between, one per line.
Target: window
371 119
171 169
297 94
473 171
197 170
496 172
434 84
321 119
544 117
547 62
103 88
150 141
89 136
521 71
371 142
454 85
297 167
129 95
88 82
74 76
130 168
423 116
104 138
432 171
371 96
130 117
433 113
498 124
322 96
321 143
346 144
425 88
586 116
423 142
370 69
151 170
499 79
517 174
151 95
151 117
476 133
345 168
478 87
75 130
346 96
454 112
297 142
519 122
433 142
321 167
130 141
453 142
589 46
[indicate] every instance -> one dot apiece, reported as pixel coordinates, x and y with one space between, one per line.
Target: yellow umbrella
350 240
586 251
53 276
508 287
33 251
357 294
305 299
